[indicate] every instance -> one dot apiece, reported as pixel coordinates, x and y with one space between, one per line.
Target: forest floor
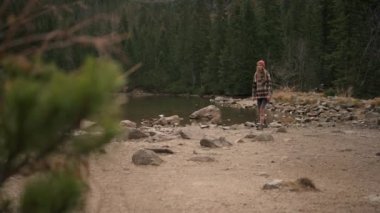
343 162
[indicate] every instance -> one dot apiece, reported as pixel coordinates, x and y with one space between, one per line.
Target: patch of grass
330 92
284 96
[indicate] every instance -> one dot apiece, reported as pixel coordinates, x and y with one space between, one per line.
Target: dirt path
343 163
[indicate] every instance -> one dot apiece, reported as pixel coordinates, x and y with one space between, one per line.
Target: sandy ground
342 162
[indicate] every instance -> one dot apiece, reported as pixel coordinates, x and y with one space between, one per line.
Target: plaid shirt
262 84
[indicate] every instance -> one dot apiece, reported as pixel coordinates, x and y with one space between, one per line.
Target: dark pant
261 103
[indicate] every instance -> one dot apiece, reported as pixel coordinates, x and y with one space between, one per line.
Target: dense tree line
211 46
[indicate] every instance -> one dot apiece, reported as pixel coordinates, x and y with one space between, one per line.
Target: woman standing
261 90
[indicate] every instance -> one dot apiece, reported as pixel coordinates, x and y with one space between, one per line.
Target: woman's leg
262 112
259 103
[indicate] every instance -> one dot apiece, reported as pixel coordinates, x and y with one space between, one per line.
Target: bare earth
342 162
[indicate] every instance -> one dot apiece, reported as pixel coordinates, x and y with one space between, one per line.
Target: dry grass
287 120
350 101
288 95
374 102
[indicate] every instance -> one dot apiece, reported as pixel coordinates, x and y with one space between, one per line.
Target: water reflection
138 108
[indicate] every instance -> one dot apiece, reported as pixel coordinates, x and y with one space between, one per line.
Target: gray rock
374 198
264 137
146 157
220 99
161 150
204 126
235 127
250 135
371 115
202 159
183 135
159 137
171 120
215 143
133 133
306 120
226 127
275 125
249 124
282 130
128 123
210 114
313 114
240 140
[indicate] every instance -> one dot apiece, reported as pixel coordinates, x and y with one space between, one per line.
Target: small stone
274 184
235 127
146 157
184 135
240 140
250 135
226 128
378 154
374 198
249 124
215 143
128 123
282 130
204 126
275 125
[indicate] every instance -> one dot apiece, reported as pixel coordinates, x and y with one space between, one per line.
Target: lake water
138 108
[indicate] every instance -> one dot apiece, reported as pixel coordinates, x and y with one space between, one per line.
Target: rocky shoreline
298 109
314 109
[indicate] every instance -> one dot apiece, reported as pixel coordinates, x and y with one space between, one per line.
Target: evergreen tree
210 80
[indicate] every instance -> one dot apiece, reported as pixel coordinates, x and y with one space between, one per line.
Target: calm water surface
138 108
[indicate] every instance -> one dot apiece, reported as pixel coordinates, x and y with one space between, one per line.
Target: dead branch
63 34
102 44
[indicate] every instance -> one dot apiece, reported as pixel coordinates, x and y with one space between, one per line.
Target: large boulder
210 114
